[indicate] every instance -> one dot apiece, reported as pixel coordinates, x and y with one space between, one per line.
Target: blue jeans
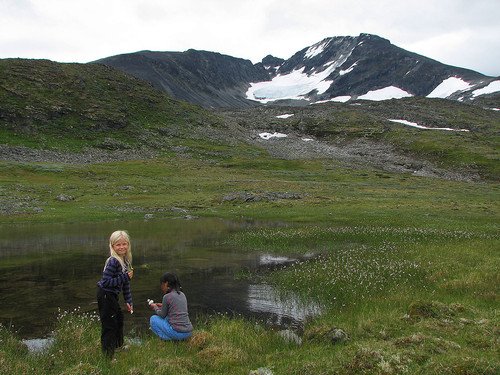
163 329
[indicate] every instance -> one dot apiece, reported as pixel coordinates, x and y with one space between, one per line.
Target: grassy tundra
405 266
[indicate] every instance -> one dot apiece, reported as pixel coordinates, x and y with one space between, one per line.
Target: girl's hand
129 308
130 274
155 305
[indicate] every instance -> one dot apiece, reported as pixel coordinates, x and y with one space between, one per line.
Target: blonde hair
126 262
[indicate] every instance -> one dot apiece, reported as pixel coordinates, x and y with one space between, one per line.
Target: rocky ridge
336 68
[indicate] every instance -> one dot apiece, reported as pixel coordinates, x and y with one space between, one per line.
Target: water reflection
38 345
267 259
283 311
47 268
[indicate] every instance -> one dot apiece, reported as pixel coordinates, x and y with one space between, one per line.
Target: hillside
90 113
453 140
71 107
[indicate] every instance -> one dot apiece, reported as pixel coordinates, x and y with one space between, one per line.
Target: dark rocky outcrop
206 78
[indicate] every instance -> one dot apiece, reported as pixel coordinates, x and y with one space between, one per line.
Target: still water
47 268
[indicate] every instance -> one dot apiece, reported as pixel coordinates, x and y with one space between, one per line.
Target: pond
50 268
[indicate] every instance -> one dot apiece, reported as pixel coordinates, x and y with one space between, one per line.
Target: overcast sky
464 33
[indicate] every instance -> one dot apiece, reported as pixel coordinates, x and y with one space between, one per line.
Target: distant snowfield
448 87
290 86
415 125
386 93
341 99
297 84
491 88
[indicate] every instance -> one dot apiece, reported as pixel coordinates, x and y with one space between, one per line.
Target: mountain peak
337 68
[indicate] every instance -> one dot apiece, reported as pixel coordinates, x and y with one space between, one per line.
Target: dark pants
112 321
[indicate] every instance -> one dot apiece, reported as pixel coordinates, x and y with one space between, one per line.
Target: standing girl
115 278
171 321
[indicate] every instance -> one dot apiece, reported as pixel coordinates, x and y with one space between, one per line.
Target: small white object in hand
150 302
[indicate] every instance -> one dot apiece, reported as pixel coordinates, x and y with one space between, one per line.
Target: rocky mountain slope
334 69
86 113
200 77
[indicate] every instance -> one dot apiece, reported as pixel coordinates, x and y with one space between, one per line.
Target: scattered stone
179 210
406 317
148 216
258 196
337 336
113 144
65 198
261 371
89 156
333 336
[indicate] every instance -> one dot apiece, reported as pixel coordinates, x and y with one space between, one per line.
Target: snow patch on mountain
339 99
448 87
348 70
267 135
297 84
491 88
293 85
316 49
415 125
386 93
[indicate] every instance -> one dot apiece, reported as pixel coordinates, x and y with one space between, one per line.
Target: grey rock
64 198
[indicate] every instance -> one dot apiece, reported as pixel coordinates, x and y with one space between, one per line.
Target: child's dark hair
173 281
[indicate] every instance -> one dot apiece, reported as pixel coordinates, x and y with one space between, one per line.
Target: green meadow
404 267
